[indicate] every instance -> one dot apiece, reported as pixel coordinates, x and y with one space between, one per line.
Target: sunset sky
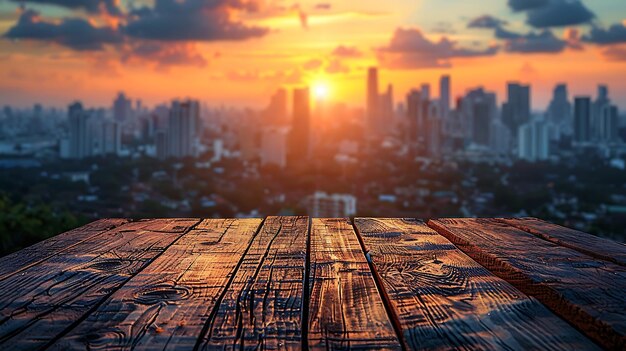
240 51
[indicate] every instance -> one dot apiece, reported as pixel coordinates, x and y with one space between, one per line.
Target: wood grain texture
43 301
262 307
444 300
27 257
588 244
587 292
166 305
345 308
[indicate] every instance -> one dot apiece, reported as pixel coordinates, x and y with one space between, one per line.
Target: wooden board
47 299
262 307
166 305
588 244
588 292
18 261
345 308
444 300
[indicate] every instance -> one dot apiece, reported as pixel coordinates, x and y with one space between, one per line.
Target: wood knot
163 292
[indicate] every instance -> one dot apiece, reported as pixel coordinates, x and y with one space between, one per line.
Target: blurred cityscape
428 156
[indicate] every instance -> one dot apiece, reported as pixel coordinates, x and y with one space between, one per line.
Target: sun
321 91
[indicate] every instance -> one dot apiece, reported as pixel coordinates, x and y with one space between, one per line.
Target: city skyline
265 45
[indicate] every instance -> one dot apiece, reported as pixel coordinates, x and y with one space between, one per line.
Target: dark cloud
75 33
347 51
559 13
523 5
613 35
486 21
615 53
192 20
164 55
323 6
542 42
111 7
410 49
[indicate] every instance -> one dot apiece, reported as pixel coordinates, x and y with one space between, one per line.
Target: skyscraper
516 111
609 124
582 119
597 110
122 108
300 126
276 113
274 146
533 141
560 110
79 140
372 109
444 96
182 128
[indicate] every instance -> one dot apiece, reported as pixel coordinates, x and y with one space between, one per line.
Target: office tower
183 122
609 124
425 91
160 140
481 123
444 96
274 146
478 111
533 141
300 126
582 119
373 100
597 109
386 109
323 205
122 108
416 110
248 139
516 111
79 138
560 111
276 112
111 138
500 138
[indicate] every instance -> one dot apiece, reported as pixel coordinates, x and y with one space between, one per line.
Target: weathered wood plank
166 305
444 300
345 308
587 292
43 301
262 307
588 244
27 257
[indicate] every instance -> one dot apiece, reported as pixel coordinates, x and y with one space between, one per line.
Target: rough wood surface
18 261
587 292
44 300
262 307
166 305
591 245
345 308
444 300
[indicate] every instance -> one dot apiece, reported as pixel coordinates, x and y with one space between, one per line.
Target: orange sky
292 53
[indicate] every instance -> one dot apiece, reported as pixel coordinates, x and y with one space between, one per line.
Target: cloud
410 49
347 51
312 65
192 20
336 66
323 6
523 5
615 53
486 21
542 42
112 7
553 13
75 33
613 35
164 55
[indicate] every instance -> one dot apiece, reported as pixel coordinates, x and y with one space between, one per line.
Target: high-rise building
322 205
274 146
122 108
479 110
182 128
79 138
385 106
597 110
299 143
516 111
609 124
582 119
533 141
277 113
444 96
111 138
559 112
425 91
373 100
160 140
481 123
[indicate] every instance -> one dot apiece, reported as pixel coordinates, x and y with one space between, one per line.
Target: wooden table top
294 282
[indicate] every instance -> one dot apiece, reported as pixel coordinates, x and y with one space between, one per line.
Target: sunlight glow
321 91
